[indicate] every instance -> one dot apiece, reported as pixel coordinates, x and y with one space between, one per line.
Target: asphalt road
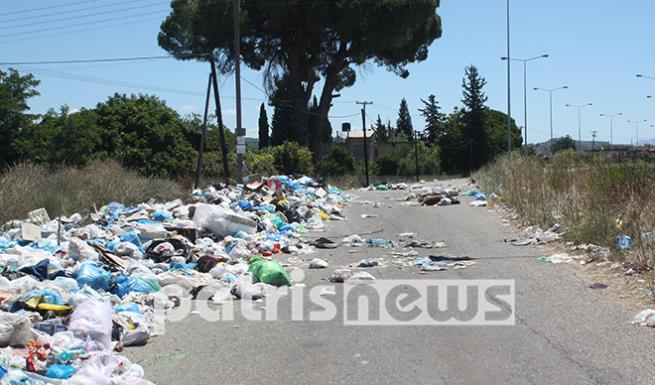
564 332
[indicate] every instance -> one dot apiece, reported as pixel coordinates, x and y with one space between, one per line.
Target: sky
596 47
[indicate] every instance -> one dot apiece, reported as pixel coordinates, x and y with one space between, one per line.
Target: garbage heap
77 289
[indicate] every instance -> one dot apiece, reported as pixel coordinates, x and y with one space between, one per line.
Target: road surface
565 333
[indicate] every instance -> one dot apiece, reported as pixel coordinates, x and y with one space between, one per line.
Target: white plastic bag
15 329
221 221
92 320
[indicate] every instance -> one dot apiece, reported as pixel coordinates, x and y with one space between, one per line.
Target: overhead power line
71 11
100 60
48 8
82 24
77 17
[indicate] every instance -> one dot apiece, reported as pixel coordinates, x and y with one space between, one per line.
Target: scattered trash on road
645 318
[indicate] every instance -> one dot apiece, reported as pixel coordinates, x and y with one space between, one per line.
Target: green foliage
404 123
402 161
146 135
15 91
496 124
561 144
260 162
263 127
473 116
383 133
310 43
434 118
292 158
339 162
283 124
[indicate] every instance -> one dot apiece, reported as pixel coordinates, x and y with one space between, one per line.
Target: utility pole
593 140
201 149
239 131
637 123
509 88
416 153
364 104
550 92
219 118
579 107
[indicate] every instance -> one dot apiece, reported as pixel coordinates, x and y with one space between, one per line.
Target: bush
260 162
26 187
339 162
387 164
428 162
292 158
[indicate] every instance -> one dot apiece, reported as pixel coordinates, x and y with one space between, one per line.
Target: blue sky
596 48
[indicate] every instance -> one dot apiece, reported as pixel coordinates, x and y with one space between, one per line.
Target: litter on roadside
645 318
536 236
559 258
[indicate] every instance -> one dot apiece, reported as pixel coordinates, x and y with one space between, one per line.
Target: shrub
292 158
260 162
428 162
387 164
339 162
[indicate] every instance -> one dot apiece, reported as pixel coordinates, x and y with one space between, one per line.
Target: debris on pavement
598 285
645 318
559 258
69 306
318 263
536 236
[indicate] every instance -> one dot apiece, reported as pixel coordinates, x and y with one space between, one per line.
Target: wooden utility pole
364 104
219 118
201 149
239 131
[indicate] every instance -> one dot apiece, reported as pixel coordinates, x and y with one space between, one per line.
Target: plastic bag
81 251
128 284
92 319
15 330
269 272
93 276
221 221
60 371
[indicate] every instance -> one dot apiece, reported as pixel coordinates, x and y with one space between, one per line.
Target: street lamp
611 116
579 107
550 92
646 76
637 122
525 89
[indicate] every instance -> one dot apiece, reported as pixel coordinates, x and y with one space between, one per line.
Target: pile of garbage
534 235
76 290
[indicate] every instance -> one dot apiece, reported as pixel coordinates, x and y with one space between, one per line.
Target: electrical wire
82 24
100 60
48 8
80 16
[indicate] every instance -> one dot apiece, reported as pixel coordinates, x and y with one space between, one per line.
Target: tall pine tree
263 127
473 117
404 122
282 124
435 120
381 133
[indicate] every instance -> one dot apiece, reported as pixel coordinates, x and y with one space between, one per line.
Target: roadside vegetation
67 190
596 199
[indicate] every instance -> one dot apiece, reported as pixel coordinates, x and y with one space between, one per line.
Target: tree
15 90
143 133
311 42
473 117
263 127
562 144
435 120
496 123
381 132
282 125
404 123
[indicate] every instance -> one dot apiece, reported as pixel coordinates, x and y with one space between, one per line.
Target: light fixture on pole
611 116
579 107
637 123
525 89
550 92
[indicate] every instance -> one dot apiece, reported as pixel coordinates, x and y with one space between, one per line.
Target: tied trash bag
269 272
92 320
93 276
221 221
60 371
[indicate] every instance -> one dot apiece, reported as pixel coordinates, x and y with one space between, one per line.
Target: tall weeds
595 198
26 187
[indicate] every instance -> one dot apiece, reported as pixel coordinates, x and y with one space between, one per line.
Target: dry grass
26 187
596 199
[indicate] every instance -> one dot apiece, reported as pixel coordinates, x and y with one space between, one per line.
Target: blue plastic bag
129 307
624 242
60 371
161 216
93 276
127 284
133 237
